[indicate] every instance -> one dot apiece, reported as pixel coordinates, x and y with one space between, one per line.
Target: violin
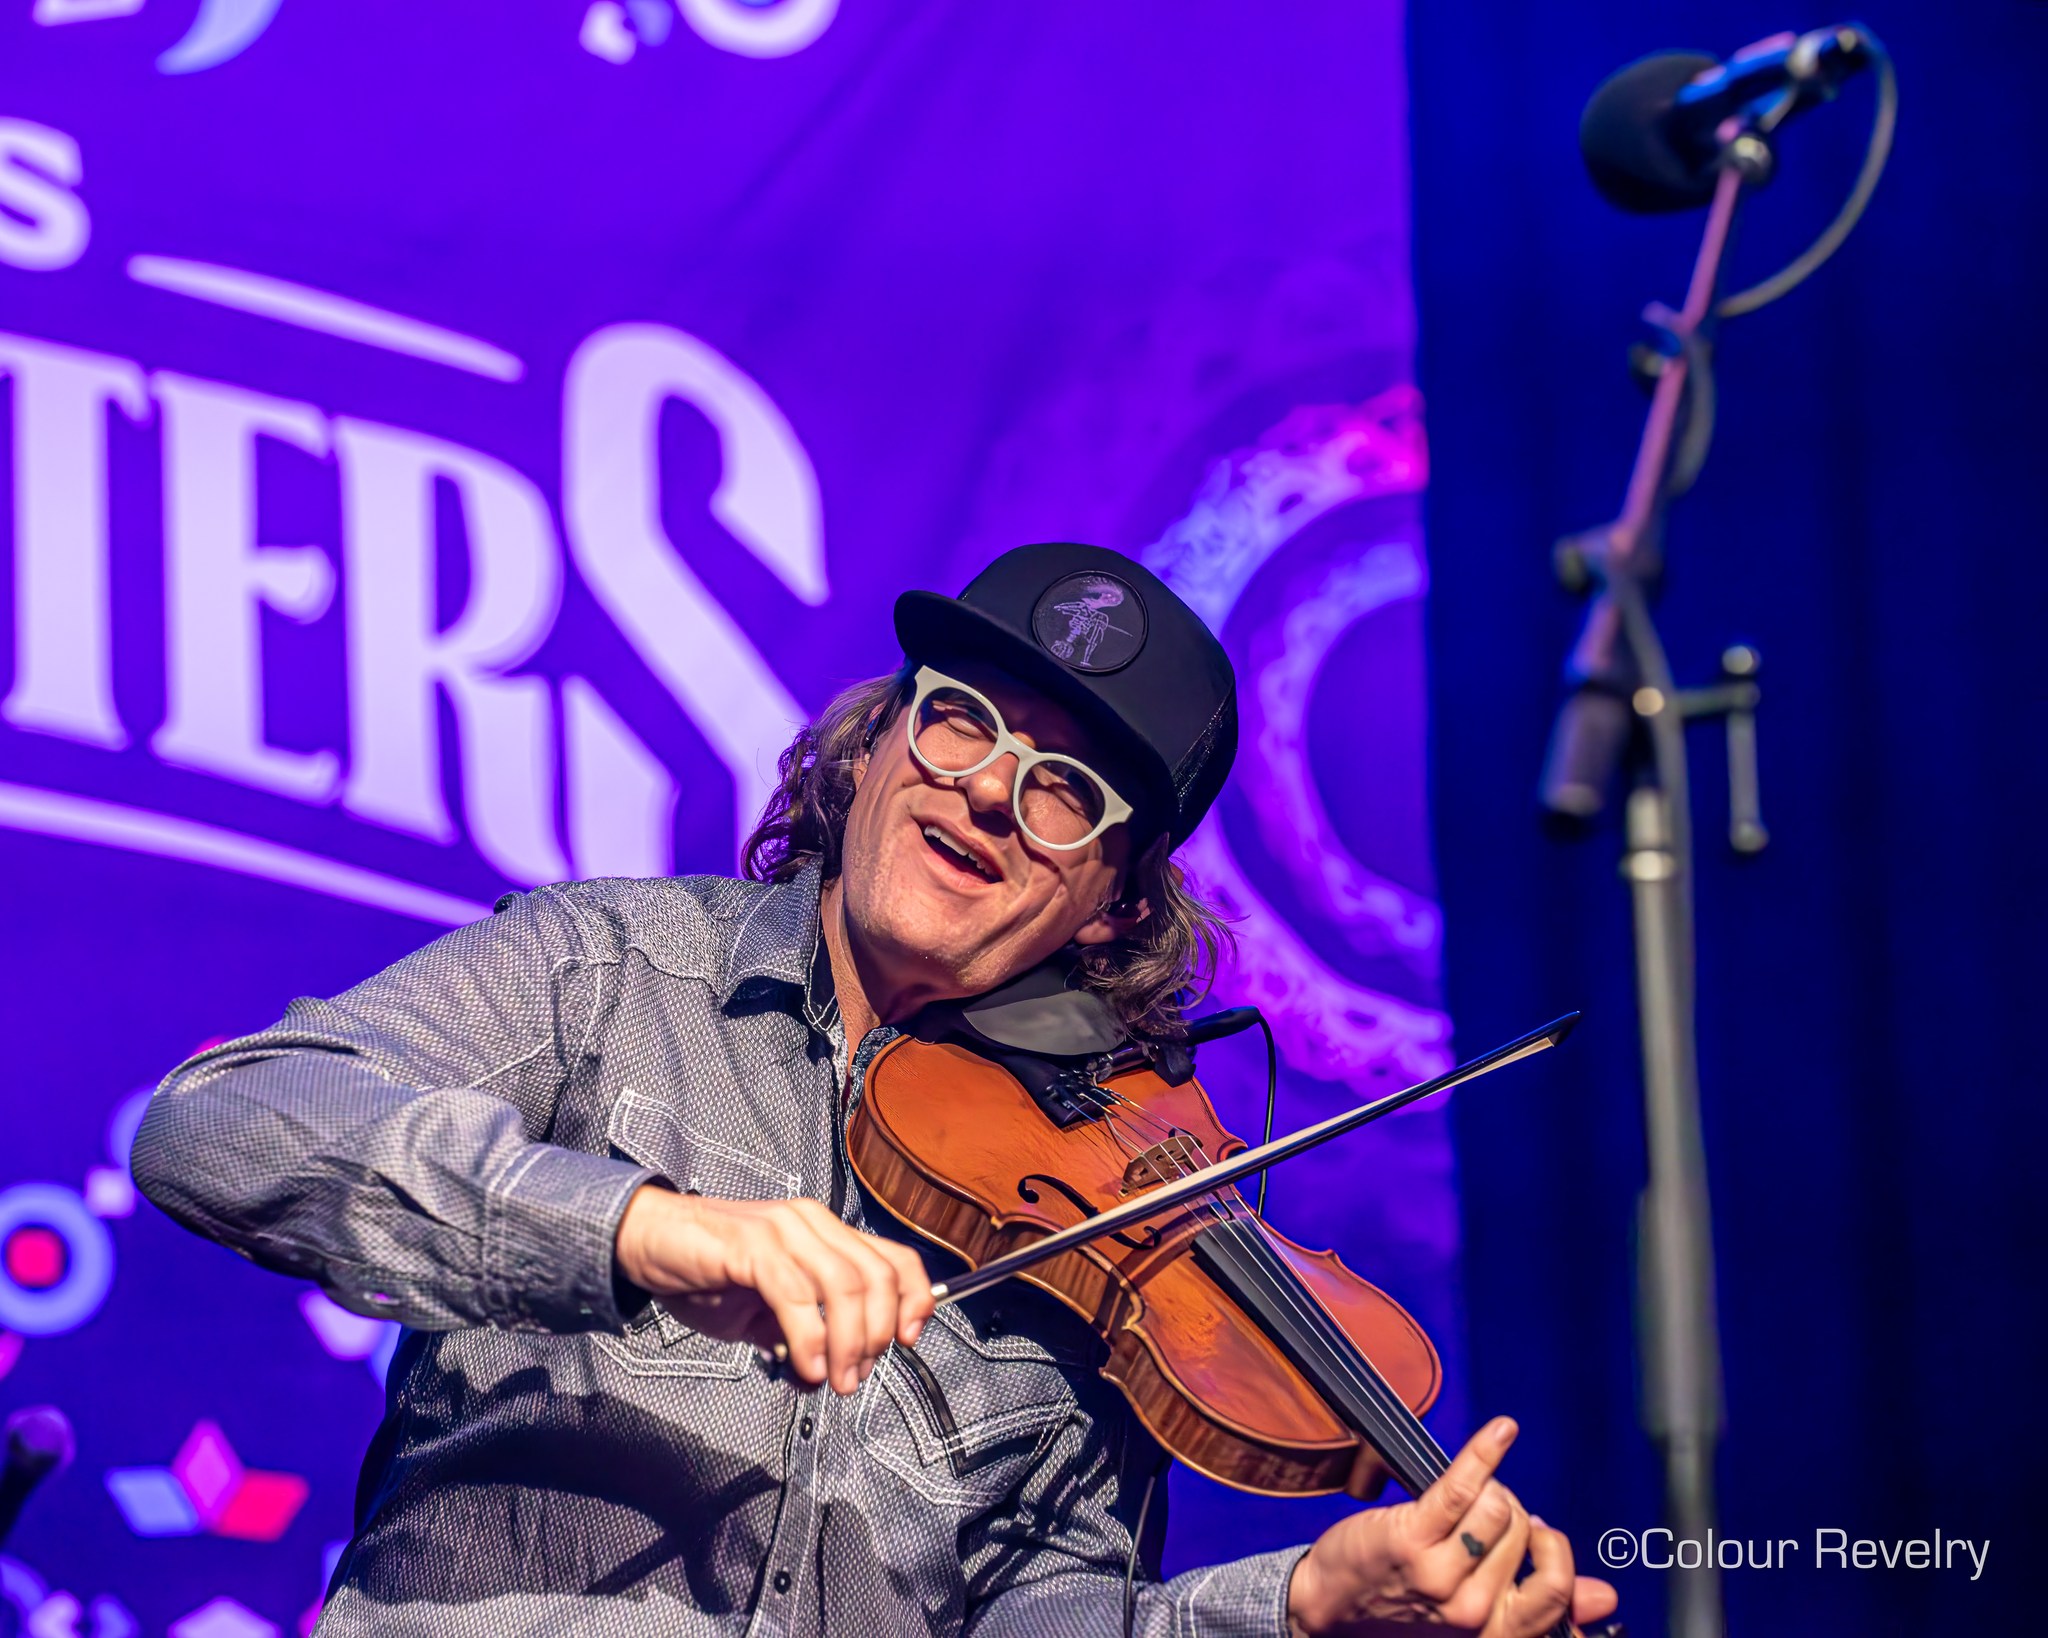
1028 1139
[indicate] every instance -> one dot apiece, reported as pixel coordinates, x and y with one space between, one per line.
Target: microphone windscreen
39 1438
1634 154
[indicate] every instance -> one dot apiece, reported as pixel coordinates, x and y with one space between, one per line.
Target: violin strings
1107 1100
1124 1143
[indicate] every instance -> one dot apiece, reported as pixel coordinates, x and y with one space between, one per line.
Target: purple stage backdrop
450 445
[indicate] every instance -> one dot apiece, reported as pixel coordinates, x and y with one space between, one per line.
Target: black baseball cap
1106 638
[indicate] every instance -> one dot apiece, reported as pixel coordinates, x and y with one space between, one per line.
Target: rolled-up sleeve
390 1143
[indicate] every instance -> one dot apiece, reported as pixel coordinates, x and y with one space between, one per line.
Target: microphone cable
1137 1539
1875 156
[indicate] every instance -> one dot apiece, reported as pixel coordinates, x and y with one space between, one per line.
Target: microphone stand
1627 711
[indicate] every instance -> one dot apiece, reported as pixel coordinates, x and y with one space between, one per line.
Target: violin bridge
1175 1155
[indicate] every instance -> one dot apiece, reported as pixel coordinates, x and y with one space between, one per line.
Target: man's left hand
1448 1559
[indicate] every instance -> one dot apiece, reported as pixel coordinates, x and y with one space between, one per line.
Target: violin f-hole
1148 1236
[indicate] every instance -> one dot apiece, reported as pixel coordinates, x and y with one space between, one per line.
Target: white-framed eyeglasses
1058 802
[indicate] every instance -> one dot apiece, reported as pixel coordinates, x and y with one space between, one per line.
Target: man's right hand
777 1271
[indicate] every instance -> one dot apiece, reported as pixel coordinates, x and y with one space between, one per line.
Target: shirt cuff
550 1234
1246 1598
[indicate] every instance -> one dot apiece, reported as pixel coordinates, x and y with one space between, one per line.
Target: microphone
39 1442
1174 1061
1648 132
1219 1024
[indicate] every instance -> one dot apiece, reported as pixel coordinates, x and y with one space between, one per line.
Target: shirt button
806 1427
782 1581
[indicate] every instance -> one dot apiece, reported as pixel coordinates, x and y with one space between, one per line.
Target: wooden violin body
1220 1332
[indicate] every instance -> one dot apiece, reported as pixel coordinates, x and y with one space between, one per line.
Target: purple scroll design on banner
1250 505
1377 915
1326 1024
612 29
222 31
616 29
1253 501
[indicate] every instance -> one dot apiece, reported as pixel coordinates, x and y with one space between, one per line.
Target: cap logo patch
1090 622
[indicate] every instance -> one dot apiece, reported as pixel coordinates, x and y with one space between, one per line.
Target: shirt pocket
964 1417
650 1131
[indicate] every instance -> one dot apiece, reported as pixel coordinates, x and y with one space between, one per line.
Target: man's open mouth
956 855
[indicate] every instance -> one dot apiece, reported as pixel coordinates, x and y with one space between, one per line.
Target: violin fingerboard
1239 1260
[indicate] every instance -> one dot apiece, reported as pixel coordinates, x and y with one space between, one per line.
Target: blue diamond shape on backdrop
152 1501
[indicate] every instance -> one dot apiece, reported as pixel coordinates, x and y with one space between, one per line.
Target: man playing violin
665 1368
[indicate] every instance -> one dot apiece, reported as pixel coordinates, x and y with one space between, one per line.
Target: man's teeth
932 833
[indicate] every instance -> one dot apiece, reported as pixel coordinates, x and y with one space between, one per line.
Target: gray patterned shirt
452 1143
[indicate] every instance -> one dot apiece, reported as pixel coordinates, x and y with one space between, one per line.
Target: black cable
1137 1539
1808 261
1272 1089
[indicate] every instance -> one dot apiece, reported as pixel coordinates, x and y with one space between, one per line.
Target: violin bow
1209 1178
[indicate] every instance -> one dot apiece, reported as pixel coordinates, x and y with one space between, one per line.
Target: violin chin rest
1037 1012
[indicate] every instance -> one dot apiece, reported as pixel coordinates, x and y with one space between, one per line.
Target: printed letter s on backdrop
43 224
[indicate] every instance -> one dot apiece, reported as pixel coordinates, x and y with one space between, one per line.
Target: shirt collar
778 941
